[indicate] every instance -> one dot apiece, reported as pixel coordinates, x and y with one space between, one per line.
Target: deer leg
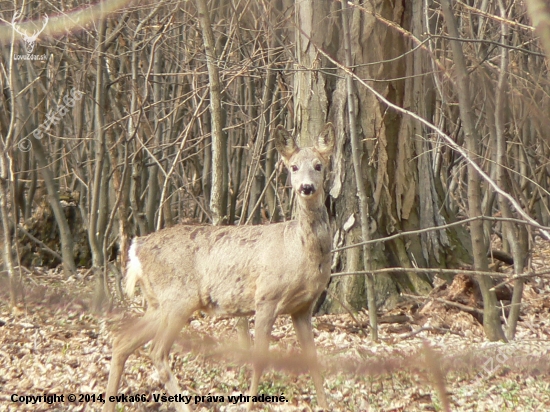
123 346
160 350
304 332
265 317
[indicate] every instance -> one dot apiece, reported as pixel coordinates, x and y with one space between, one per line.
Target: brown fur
267 270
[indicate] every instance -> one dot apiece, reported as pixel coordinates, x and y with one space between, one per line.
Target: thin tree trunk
270 107
4 215
97 200
67 249
357 151
69 266
5 177
510 233
253 176
217 205
153 183
137 157
491 316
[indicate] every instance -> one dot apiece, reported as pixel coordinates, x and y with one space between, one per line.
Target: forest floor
53 344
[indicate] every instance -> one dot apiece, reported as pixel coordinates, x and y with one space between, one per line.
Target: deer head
30 41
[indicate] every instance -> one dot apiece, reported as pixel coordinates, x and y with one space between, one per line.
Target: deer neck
312 218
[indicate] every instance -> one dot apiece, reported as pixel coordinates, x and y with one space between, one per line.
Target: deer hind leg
302 326
170 326
124 344
265 317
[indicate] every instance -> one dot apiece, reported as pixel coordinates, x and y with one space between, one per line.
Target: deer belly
227 291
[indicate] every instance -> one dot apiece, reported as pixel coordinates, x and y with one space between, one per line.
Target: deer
234 271
30 41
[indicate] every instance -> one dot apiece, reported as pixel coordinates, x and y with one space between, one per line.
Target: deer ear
325 141
285 143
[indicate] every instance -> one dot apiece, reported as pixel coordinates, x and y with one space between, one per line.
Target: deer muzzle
306 189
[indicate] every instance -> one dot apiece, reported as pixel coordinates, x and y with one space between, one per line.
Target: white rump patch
133 271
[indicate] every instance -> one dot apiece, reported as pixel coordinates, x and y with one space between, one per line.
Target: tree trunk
397 165
357 152
491 316
217 204
69 266
514 235
6 240
97 201
65 235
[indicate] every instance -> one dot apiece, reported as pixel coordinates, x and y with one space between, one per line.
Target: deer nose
307 189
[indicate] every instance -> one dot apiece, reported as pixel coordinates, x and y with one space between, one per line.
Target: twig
459 306
447 302
350 312
429 229
495 43
421 270
414 333
522 276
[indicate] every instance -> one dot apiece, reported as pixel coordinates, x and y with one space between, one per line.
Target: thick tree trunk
397 165
312 87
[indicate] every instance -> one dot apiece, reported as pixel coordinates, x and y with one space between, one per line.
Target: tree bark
357 152
217 204
97 201
6 241
514 235
491 316
312 87
67 245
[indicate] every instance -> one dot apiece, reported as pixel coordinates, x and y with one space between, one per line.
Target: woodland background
440 109
177 107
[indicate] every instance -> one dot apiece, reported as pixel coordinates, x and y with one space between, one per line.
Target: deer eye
294 168
318 167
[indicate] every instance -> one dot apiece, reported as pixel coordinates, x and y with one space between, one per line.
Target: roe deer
269 270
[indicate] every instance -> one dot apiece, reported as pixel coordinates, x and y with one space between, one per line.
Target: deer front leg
265 317
304 332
